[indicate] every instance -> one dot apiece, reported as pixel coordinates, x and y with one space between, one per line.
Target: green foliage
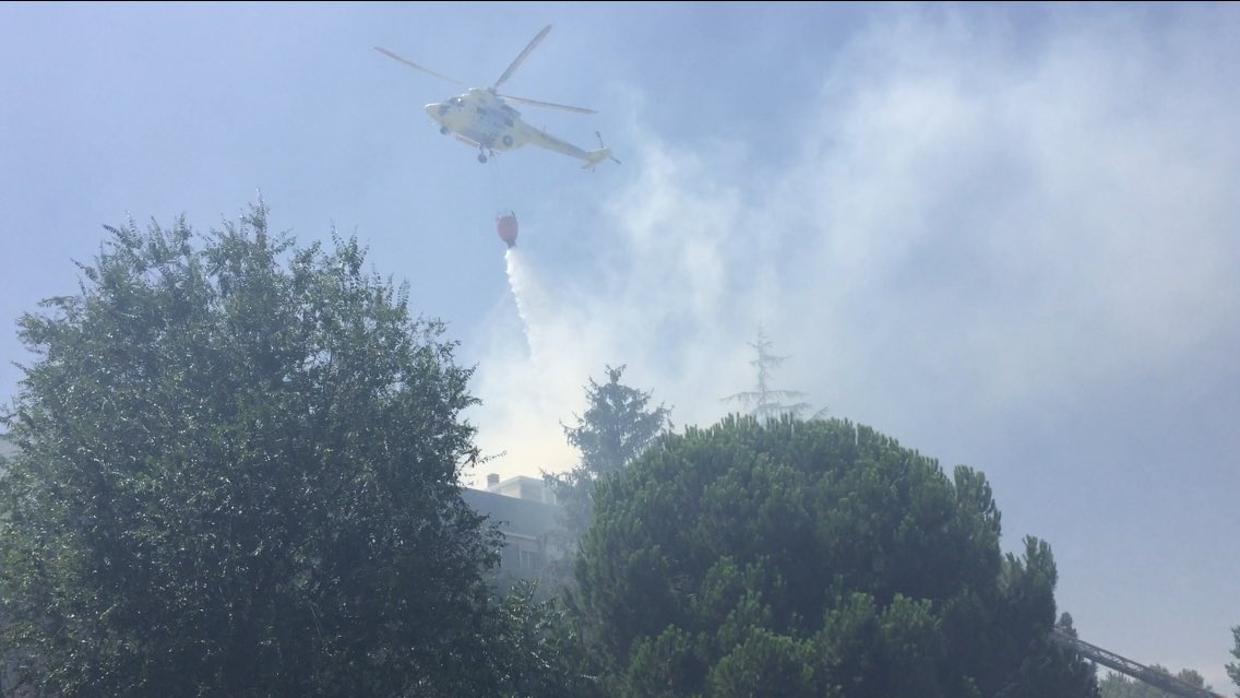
531 647
1118 686
238 475
764 663
617 425
616 428
1233 670
812 558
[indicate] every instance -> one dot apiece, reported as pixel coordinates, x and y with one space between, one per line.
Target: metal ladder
1123 665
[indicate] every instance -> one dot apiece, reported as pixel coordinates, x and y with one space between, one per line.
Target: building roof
524 516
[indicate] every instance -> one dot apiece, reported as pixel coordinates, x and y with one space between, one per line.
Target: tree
1118 686
238 474
1233 670
764 402
618 425
530 640
812 559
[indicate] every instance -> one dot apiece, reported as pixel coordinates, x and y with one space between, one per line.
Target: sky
1007 235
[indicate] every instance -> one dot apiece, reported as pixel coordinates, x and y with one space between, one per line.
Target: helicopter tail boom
594 157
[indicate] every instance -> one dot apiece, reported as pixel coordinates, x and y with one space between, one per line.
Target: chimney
492 481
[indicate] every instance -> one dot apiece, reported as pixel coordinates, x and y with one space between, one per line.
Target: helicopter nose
432 110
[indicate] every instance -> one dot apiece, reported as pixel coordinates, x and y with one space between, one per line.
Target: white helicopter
482 119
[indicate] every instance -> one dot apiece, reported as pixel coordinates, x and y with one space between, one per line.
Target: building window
530 559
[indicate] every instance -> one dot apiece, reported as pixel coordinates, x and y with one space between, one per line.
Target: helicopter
481 117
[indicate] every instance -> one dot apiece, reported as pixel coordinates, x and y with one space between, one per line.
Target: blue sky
1006 235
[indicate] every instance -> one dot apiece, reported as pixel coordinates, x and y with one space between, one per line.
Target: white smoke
529 387
947 225
974 228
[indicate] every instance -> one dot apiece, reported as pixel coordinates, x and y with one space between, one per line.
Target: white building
525 511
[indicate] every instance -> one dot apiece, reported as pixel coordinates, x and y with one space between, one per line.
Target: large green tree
616 427
790 558
238 475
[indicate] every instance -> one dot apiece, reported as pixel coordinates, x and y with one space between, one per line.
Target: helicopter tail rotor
594 157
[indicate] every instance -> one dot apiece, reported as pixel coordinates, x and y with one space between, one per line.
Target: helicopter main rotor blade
549 105
516 62
411 64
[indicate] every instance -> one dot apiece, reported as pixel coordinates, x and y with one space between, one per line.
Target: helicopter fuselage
481 117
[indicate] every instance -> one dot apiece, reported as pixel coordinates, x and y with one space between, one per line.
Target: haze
1005 235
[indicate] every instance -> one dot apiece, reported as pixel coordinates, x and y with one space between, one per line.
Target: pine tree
764 402
618 425
747 559
1233 670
